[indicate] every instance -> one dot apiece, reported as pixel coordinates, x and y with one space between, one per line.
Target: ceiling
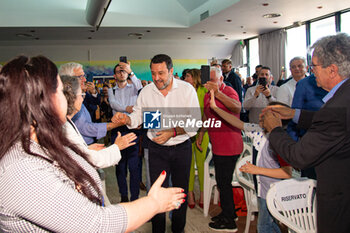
57 21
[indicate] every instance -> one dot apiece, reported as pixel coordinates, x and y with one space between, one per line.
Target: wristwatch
131 74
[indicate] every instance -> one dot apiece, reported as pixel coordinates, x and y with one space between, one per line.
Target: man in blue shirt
307 96
89 130
122 98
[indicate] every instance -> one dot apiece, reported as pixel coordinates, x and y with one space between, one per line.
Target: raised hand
125 141
212 100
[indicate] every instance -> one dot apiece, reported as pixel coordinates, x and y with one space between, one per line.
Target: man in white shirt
122 98
171 103
258 97
298 69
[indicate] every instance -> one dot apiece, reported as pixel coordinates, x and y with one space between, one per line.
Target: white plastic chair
247 183
210 182
293 202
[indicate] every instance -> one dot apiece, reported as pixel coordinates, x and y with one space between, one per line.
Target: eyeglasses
312 66
120 71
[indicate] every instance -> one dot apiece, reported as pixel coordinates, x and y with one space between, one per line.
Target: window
243 69
321 28
253 55
296 45
345 26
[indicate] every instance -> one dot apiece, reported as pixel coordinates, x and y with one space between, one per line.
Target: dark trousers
224 168
176 161
130 159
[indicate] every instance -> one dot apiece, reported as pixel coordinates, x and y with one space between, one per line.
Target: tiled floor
195 223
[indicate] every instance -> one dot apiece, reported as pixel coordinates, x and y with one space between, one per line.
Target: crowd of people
50 160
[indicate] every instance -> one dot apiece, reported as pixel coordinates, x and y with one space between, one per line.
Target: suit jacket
235 82
326 146
91 104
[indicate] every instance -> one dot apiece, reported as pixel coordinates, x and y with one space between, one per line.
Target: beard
166 84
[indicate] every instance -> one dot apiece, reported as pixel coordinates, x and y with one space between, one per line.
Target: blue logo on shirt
151 119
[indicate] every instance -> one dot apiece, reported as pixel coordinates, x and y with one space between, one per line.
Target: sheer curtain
272 47
237 55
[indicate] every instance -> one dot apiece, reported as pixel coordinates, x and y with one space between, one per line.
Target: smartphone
205 74
262 82
123 59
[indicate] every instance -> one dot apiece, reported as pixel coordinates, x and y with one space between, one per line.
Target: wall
106 53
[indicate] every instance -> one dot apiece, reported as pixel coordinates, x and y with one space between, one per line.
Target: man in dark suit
231 78
326 144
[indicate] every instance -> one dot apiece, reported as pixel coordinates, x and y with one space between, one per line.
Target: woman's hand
125 141
166 198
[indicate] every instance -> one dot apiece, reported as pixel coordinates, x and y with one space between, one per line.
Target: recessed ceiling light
271 15
218 35
24 35
135 34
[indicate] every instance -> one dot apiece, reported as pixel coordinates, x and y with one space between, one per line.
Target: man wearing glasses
122 98
326 144
89 130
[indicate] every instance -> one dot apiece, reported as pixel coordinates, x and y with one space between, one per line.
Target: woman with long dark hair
46 182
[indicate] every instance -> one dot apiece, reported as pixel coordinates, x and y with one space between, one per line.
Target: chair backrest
245 179
293 202
208 169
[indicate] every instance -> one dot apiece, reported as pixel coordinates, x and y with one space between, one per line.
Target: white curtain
272 47
237 55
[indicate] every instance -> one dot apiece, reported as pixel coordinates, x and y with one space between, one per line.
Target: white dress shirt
123 97
255 105
285 92
181 103
103 158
